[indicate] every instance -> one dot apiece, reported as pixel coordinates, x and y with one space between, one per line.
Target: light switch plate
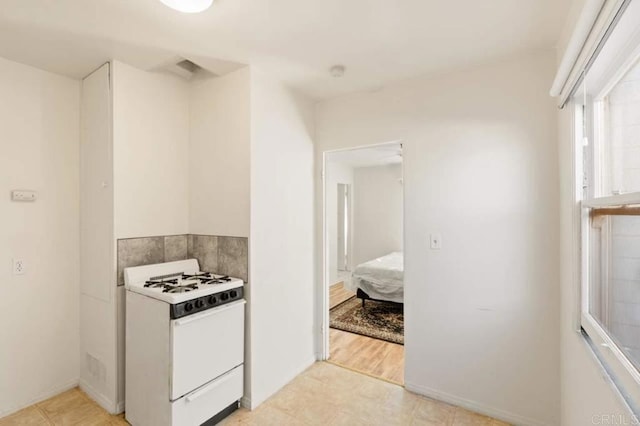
436 241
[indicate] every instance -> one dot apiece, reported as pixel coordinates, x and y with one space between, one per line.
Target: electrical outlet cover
19 267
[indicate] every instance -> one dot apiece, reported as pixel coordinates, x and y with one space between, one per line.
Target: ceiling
380 155
378 41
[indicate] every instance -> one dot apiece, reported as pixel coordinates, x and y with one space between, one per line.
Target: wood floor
338 294
370 356
72 407
323 395
367 355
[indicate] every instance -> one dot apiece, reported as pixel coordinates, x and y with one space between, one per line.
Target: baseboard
42 397
98 397
245 402
119 407
254 403
508 417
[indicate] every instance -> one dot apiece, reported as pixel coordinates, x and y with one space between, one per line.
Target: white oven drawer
205 402
206 345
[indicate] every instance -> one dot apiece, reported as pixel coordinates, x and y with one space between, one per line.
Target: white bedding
381 278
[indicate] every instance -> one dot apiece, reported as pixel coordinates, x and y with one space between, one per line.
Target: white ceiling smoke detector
337 70
188 6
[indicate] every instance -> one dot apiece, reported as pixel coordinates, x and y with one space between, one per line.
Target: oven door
206 345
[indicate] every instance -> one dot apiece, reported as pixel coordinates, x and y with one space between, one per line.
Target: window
608 149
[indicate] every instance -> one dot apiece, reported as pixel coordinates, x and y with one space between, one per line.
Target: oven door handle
207 388
208 313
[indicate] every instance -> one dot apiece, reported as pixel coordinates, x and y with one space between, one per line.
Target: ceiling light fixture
188 6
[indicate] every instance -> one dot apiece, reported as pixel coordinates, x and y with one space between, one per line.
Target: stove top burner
198 276
206 278
173 283
179 288
160 283
219 280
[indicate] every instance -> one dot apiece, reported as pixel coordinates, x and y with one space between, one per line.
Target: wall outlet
19 267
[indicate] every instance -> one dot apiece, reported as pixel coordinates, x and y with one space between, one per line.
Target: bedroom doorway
363 291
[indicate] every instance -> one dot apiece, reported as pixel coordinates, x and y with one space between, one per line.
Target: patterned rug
384 321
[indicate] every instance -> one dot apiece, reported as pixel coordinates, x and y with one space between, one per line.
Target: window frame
590 154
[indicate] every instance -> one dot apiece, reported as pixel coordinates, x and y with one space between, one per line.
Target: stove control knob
224 296
188 307
199 303
212 300
233 294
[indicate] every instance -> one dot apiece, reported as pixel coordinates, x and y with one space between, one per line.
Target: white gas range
184 345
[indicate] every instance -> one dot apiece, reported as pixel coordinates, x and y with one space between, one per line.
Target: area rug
384 321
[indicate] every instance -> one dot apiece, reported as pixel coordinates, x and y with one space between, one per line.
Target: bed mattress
381 278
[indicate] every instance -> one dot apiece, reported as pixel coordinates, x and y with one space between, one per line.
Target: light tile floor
324 394
72 407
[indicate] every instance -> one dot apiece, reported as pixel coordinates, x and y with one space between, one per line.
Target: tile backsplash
205 249
233 255
175 248
218 254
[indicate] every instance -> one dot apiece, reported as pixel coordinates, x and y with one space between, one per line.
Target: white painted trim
120 407
613 200
625 374
245 402
102 400
254 403
608 11
583 27
473 406
42 397
324 299
602 370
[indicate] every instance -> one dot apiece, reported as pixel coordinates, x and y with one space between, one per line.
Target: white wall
219 155
150 151
378 211
281 290
480 161
336 173
39 122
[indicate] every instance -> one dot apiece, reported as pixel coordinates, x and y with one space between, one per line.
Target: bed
380 279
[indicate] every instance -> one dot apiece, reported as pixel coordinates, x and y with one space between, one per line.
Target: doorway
363 280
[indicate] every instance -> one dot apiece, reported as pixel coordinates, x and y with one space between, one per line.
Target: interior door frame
323 302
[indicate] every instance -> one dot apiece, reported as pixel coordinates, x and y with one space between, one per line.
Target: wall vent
184 68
